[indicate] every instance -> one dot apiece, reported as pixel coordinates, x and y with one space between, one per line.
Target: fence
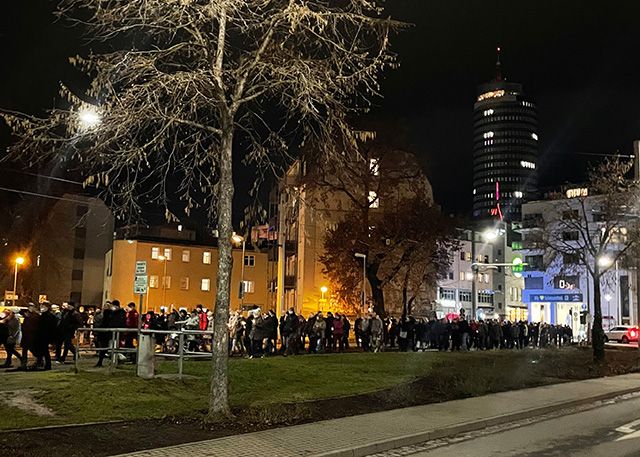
176 344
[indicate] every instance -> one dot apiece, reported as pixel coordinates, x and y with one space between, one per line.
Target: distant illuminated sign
578 192
492 94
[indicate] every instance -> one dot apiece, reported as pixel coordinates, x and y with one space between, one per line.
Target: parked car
622 334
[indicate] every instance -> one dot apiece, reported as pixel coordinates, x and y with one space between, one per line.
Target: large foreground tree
182 89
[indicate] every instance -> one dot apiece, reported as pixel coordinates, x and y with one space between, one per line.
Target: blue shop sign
572 298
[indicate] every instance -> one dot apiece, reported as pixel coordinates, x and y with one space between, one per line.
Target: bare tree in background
597 231
185 87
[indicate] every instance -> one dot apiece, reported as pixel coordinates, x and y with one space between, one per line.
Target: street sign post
141 285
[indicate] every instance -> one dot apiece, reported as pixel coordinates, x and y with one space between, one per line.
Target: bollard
146 356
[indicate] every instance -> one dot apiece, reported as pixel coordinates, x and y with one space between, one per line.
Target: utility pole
474 273
282 216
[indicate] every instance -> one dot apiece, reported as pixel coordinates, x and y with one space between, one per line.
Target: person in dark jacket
259 332
346 327
29 332
328 333
288 332
45 335
69 323
102 339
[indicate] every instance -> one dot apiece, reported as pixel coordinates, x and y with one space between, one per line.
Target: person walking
46 333
29 333
13 338
69 323
377 333
102 339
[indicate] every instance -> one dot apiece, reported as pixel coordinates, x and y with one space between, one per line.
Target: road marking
629 431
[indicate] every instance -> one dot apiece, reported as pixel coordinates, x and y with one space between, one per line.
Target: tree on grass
596 230
182 89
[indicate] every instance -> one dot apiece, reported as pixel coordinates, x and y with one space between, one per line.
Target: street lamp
89 117
19 261
364 279
163 259
324 290
605 261
237 239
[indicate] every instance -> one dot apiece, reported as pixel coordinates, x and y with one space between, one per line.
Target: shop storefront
555 309
516 313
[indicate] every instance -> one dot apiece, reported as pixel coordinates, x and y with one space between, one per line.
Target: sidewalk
370 433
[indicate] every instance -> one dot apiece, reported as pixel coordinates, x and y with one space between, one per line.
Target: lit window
518 194
206 257
153 281
179 228
166 281
488 112
249 260
526 164
468 276
248 287
167 253
205 285
374 166
489 135
462 276
155 252
534 136
186 255
374 201
184 283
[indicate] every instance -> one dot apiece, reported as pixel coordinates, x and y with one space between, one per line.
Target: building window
155 252
465 296
570 259
571 215
462 276
186 255
249 260
153 281
76 275
206 258
81 210
78 253
81 232
184 283
205 284
447 294
450 276
570 236
168 253
166 282
485 298
374 201
374 167
248 287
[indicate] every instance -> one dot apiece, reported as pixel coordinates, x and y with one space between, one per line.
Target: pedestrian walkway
370 433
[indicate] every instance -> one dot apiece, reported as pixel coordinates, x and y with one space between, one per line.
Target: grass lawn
97 396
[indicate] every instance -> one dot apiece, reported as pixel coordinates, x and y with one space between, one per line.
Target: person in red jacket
203 320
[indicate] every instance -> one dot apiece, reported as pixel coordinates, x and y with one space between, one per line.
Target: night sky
578 59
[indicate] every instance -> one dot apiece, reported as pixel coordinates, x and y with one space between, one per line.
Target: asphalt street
611 429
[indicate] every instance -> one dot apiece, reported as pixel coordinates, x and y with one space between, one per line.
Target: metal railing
179 337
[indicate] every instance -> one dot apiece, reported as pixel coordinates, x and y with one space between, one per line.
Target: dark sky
579 59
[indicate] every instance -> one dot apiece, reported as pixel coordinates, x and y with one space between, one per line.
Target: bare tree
593 232
183 88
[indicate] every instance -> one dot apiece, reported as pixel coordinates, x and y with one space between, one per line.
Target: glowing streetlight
605 261
324 290
490 235
19 261
239 239
89 117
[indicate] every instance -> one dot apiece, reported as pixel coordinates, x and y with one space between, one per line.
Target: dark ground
447 382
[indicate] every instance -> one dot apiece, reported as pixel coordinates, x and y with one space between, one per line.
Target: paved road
611 429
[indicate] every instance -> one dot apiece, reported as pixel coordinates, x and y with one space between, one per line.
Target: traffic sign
141 284
10 295
42 298
141 267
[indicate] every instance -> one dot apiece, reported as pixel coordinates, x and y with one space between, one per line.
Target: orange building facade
182 275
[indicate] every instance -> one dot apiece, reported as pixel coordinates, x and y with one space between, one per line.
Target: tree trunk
597 333
377 294
219 389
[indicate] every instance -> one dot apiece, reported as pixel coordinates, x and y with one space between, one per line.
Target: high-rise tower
505 149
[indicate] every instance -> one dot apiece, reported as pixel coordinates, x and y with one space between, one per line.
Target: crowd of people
39 329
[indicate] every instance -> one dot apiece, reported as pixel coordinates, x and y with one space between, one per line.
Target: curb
428 435
60 427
